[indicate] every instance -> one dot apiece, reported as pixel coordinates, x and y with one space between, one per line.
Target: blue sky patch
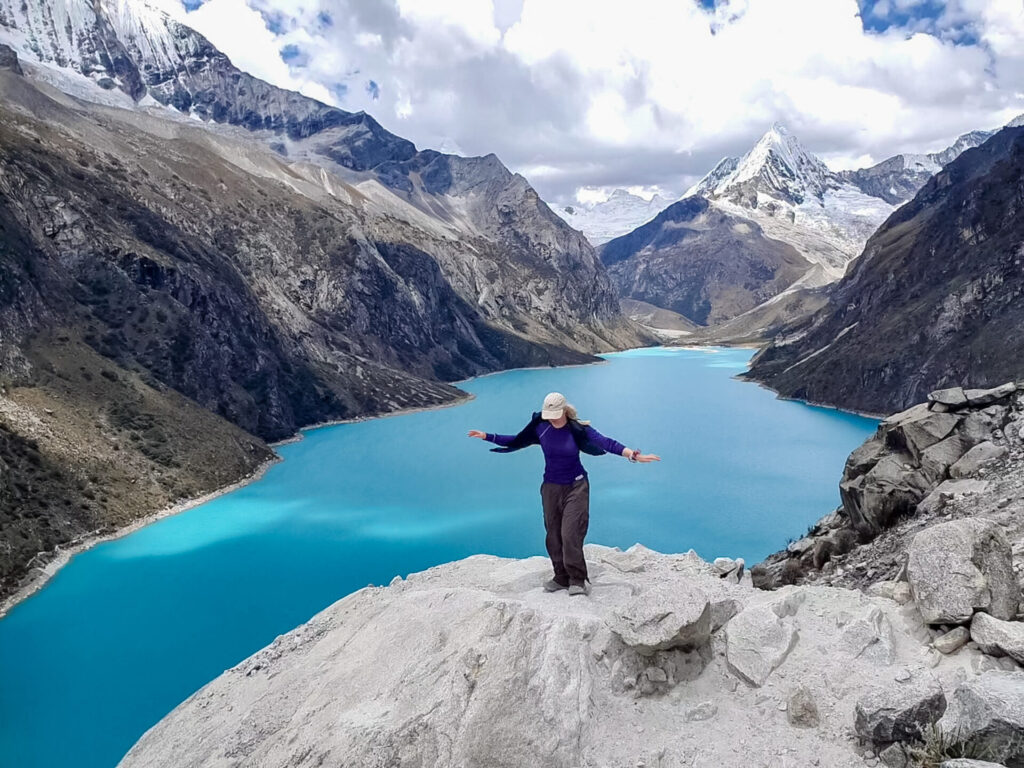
915 16
373 89
191 5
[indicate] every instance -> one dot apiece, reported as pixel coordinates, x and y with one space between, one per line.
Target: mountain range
777 198
190 251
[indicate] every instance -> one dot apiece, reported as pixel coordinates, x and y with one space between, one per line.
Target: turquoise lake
130 628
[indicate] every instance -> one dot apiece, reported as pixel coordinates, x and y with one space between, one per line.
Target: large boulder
960 567
986 715
917 428
998 638
892 487
948 490
952 398
760 637
976 458
664 616
937 459
899 712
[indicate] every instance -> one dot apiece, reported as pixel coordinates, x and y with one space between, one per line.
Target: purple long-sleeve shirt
562 463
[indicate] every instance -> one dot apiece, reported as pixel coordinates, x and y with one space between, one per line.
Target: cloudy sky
582 96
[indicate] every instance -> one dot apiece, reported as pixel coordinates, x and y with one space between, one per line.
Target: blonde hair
570 413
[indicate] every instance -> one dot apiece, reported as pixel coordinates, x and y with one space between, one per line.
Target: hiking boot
578 589
553 586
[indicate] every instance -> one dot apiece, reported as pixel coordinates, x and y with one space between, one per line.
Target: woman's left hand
644 458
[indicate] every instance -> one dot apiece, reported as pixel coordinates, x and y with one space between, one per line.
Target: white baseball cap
554 406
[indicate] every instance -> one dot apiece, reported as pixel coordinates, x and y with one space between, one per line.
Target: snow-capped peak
1017 122
780 162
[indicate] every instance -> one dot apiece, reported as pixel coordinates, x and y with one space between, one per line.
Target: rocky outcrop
903 473
707 265
958 568
482 667
903 322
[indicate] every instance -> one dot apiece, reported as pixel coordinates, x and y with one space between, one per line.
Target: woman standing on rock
565 492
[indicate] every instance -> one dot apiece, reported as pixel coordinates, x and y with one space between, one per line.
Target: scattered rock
980 455
963 762
900 712
953 640
901 593
893 756
986 714
664 616
959 567
998 638
801 710
703 711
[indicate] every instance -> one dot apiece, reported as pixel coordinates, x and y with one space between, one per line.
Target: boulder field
669 662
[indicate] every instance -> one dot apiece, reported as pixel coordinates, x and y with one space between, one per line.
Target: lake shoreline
54 560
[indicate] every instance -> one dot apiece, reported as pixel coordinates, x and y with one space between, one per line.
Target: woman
565 492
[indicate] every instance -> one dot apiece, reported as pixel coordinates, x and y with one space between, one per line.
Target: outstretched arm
491 437
614 446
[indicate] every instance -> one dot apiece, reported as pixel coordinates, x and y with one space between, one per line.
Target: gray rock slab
950 489
899 712
987 714
664 616
982 397
758 639
998 638
977 457
964 762
960 567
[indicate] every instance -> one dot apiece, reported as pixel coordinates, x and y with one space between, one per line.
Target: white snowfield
620 214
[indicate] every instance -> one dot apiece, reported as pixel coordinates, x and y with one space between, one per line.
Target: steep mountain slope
898 178
621 213
137 52
936 300
699 261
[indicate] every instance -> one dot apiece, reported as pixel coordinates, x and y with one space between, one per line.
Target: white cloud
595 94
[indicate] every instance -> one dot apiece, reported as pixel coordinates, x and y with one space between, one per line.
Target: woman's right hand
477 433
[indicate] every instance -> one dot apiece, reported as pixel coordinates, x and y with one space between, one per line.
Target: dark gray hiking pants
566 519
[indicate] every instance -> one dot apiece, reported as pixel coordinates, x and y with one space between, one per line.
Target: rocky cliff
657 667
705 264
934 301
958 456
